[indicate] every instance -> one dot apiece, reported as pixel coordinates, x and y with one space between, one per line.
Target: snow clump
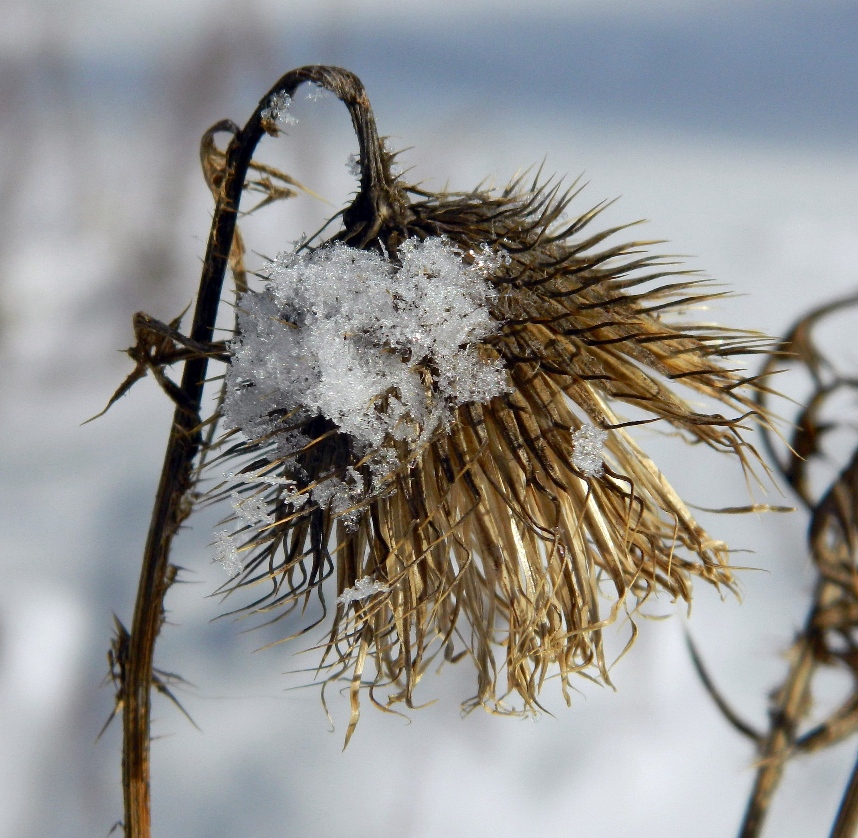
226 553
587 451
363 589
386 351
277 110
251 509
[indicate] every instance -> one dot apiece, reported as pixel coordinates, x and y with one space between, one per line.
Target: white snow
342 496
226 553
362 589
587 452
385 351
277 111
252 509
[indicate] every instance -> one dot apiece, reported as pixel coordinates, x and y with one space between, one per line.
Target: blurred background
731 126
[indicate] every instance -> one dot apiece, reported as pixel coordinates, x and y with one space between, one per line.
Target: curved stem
371 208
171 504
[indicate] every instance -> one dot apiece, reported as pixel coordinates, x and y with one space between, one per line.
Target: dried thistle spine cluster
484 495
493 515
476 520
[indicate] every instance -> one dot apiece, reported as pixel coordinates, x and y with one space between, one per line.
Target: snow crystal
315 92
341 497
353 165
382 465
363 588
395 168
260 476
252 509
487 260
278 109
386 352
587 451
226 553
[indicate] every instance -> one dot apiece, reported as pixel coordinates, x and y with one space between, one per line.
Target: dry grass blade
789 706
800 349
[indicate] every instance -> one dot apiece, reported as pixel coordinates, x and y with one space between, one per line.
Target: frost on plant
342 497
226 553
277 110
315 92
385 351
353 165
390 155
587 451
262 475
424 404
363 589
251 509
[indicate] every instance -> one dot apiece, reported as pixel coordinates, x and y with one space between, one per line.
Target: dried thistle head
424 406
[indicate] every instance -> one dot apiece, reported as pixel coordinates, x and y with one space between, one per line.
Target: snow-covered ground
731 130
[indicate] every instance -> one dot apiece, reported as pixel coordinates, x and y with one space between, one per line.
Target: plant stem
846 824
790 705
173 502
172 505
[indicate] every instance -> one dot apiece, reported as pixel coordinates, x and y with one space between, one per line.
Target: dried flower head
425 408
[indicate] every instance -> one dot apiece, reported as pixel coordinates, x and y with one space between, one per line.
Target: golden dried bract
508 520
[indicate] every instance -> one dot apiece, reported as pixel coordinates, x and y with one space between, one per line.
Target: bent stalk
173 501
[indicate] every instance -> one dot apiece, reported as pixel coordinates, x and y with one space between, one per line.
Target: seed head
426 408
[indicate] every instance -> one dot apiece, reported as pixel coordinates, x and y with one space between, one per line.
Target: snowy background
732 127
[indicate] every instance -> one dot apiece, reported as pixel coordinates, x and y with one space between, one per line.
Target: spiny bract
424 407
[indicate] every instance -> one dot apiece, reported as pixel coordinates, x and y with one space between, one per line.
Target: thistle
427 406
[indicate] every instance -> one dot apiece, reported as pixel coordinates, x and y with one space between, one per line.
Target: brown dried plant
829 636
488 537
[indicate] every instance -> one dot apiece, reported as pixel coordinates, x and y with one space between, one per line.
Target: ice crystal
363 588
394 167
315 92
260 475
381 466
487 260
278 107
226 553
385 351
353 165
252 509
587 451
342 497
